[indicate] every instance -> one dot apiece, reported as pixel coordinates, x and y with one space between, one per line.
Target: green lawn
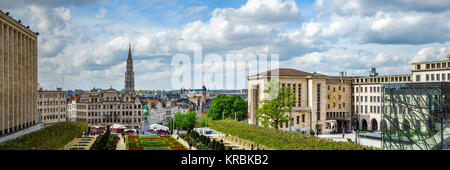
54 137
281 140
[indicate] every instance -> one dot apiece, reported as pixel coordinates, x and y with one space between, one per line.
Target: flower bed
163 142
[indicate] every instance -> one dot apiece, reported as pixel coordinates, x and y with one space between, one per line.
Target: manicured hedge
53 137
281 140
202 142
105 141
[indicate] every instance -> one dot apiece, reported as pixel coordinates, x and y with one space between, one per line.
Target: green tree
184 121
274 108
224 106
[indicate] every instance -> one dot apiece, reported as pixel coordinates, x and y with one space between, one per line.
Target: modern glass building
415 116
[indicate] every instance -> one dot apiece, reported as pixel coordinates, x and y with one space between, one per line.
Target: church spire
129 52
129 74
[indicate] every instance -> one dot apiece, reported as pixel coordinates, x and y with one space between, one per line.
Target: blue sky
84 43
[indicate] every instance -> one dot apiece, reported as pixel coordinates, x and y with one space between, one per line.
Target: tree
224 106
184 121
274 108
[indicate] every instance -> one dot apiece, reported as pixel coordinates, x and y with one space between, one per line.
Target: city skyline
87 41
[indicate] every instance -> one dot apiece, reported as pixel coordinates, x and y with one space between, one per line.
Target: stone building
309 112
18 75
366 98
107 107
52 106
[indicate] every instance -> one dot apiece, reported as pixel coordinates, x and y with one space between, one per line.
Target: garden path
181 140
121 144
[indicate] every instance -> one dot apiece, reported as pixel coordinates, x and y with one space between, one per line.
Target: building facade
367 96
107 107
18 75
310 90
52 106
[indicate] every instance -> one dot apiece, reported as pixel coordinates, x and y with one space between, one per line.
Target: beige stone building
107 107
431 71
52 106
338 104
18 75
366 96
311 98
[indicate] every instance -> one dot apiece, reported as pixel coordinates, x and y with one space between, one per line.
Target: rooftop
287 72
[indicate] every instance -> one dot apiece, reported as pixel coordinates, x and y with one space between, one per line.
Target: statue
145 125
146 113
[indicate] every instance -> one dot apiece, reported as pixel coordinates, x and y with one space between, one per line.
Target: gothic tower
129 74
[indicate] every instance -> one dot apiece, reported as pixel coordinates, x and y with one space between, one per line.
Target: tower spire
129 74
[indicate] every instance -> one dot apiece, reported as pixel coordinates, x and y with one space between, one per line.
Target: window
298 119
303 118
438 77
432 77
427 77
417 77
418 66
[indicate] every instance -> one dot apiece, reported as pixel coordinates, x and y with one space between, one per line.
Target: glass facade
415 116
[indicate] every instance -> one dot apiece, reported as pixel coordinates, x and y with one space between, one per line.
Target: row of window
47 110
292 121
51 103
339 88
368 109
127 120
433 65
334 105
371 89
376 99
114 106
336 114
384 79
435 77
51 117
114 113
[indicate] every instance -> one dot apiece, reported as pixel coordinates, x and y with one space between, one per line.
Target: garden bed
163 142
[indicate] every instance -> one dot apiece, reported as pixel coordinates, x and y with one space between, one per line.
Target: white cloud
101 13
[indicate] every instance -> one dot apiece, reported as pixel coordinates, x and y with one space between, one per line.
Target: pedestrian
190 145
343 134
252 147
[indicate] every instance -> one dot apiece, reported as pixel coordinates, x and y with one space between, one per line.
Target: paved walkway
182 141
83 143
121 144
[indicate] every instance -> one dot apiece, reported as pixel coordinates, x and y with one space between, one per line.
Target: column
15 81
20 79
34 81
2 58
6 78
10 79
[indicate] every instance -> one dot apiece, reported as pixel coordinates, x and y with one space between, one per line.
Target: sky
84 43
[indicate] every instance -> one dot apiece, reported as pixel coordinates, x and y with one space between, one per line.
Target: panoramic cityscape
225 75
